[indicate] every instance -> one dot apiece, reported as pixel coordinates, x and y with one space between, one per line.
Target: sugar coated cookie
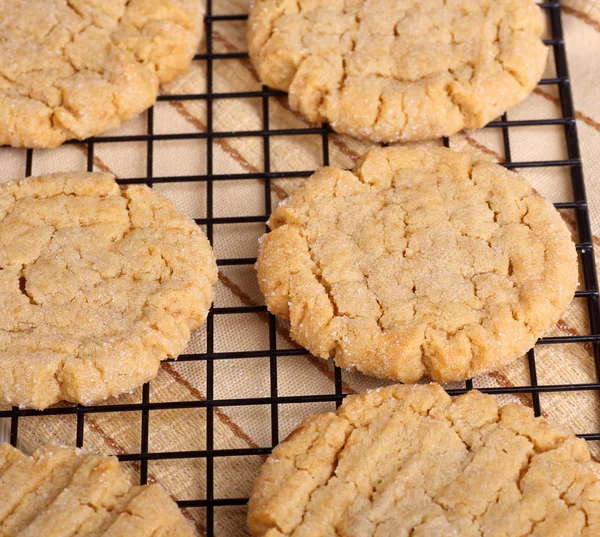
76 68
399 70
410 461
420 262
97 286
62 491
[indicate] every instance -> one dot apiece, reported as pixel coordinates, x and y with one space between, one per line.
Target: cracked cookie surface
76 68
97 284
389 70
411 461
61 491
421 262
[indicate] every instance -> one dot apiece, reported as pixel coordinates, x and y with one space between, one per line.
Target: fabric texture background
247 426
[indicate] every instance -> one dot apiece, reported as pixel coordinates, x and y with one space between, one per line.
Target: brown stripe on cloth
579 115
230 47
234 427
341 145
115 447
483 148
582 17
231 151
569 329
317 362
98 162
504 381
283 101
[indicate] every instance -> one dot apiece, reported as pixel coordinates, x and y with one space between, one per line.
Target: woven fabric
250 426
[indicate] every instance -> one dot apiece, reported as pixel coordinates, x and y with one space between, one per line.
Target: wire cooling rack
274 402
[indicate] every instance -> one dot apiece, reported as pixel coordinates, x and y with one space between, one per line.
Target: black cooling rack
273 353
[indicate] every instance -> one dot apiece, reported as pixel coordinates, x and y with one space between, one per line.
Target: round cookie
409 460
389 70
97 285
421 262
73 69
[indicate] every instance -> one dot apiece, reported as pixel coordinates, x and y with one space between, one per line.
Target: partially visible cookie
410 461
420 262
97 286
78 68
389 71
62 491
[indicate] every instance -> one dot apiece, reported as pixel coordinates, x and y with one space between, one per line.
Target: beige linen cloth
249 426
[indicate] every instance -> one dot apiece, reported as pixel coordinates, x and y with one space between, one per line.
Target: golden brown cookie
410 461
62 491
76 68
422 261
389 70
97 284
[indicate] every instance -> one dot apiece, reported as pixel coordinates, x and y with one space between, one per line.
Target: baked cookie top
390 70
62 491
422 261
72 69
97 284
409 460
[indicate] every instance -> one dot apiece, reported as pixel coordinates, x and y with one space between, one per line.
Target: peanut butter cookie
410 461
390 70
421 262
62 492
97 285
76 68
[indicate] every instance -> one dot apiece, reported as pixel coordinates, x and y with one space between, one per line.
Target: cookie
73 69
390 71
410 460
97 285
62 491
421 262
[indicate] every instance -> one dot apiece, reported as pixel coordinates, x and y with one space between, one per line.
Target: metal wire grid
584 248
